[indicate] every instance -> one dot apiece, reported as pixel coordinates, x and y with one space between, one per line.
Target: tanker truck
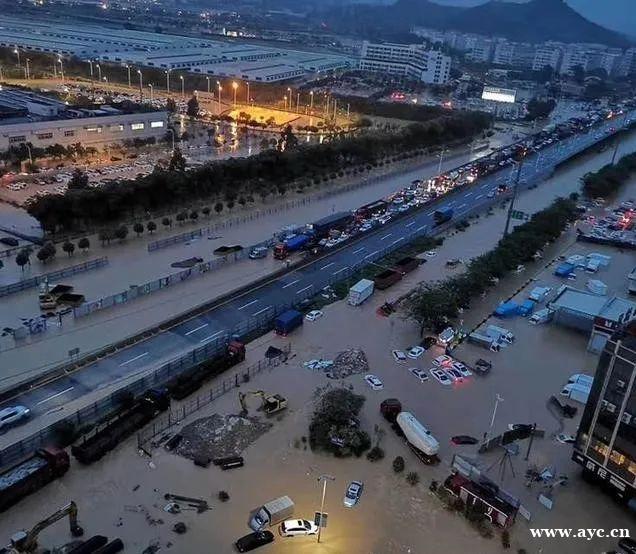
418 437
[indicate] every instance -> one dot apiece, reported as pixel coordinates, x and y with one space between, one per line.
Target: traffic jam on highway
337 228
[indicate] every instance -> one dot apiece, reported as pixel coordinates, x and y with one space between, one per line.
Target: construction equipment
271 403
27 541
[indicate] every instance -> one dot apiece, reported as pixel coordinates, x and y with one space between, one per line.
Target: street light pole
441 159
311 101
141 86
218 84
182 87
208 80
128 68
247 84
492 419
235 87
151 93
16 51
324 479
59 59
26 70
99 72
167 72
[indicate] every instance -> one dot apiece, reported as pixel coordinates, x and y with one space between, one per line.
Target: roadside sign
320 521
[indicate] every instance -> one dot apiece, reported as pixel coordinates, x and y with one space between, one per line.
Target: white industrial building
39 121
409 60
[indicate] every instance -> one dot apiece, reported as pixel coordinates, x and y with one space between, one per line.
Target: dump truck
120 426
272 512
418 437
406 265
190 380
387 278
292 244
286 322
359 292
46 465
442 215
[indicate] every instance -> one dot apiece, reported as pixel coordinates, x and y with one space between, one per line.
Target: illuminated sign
499 94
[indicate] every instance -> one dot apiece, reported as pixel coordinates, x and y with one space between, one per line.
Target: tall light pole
289 96
247 84
59 59
26 70
151 92
182 87
17 53
311 100
99 72
297 102
30 155
441 159
171 131
285 102
235 87
1 74
90 65
218 84
492 419
141 86
208 80
324 479
167 72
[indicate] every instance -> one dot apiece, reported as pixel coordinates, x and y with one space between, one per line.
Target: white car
314 315
374 382
465 372
565 439
12 415
353 493
431 254
442 361
441 376
297 527
419 373
415 352
398 356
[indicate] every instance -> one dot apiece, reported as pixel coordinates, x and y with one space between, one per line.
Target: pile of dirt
220 436
349 362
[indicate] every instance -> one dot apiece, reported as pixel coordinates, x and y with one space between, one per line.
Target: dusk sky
614 14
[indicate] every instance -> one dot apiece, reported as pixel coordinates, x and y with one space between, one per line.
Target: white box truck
539 294
603 259
581 379
484 341
359 292
541 316
500 334
272 512
419 437
578 393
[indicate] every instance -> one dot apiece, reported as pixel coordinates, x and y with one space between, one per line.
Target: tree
218 207
138 228
181 217
230 204
46 253
206 211
193 107
578 74
171 105
84 244
412 478
194 215
242 201
177 161
121 233
287 139
22 258
151 226
540 109
398 464
167 222
106 235
68 247
79 180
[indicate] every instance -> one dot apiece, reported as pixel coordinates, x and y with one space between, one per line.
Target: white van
581 379
500 333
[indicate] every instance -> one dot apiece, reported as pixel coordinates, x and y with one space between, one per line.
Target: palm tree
151 226
84 244
69 248
22 259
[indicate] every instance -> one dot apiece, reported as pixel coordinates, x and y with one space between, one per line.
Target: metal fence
53 276
176 415
176 239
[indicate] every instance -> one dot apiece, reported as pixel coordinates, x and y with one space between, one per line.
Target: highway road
304 282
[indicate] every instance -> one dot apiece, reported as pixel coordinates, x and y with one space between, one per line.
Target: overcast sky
614 14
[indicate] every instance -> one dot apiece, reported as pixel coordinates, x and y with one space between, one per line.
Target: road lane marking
212 336
55 396
420 228
462 206
358 250
248 304
133 359
397 240
431 213
197 329
342 269
290 284
328 265
261 311
468 194
409 224
479 196
372 254
385 236
303 290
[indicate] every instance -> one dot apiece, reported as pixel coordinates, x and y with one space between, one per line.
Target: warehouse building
39 121
606 441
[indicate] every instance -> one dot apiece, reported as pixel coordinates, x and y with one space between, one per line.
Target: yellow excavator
27 541
271 403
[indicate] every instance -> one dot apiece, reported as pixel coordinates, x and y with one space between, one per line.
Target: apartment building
548 54
413 61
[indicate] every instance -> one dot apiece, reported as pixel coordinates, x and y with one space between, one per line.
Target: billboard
499 94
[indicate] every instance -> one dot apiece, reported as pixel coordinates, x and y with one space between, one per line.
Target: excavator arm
28 541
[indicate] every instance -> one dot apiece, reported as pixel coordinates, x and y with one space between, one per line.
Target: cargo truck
272 512
577 392
418 437
500 334
121 425
359 292
292 244
442 215
581 379
337 221
286 322
406 265
539 294
190 380
485 341
46 465
387 278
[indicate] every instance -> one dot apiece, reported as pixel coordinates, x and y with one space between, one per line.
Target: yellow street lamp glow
234 85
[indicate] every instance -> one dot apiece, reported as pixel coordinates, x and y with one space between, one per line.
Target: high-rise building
548 54
606 441
409 60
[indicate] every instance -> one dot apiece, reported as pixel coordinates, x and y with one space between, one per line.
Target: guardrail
175 239
53 276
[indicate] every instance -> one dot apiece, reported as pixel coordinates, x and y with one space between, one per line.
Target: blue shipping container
288 321
507 309
563 270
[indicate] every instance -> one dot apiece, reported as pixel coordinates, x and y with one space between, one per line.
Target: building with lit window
40 121
606 441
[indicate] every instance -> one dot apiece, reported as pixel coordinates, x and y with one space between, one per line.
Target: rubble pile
349 362
219 436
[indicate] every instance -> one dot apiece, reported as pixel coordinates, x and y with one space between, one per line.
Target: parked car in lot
314 315
398 356
440 375
419 373
415 352
462 368
374 382
254 541
12 416
297 527
463 439
565 439
353 493
454 374
442 361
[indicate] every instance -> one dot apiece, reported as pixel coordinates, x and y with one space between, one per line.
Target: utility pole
492 419
615 151
534 428
324 479
514 195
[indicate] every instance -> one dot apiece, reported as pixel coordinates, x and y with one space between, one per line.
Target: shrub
223 496
412 478
375 454
505 539
398 464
